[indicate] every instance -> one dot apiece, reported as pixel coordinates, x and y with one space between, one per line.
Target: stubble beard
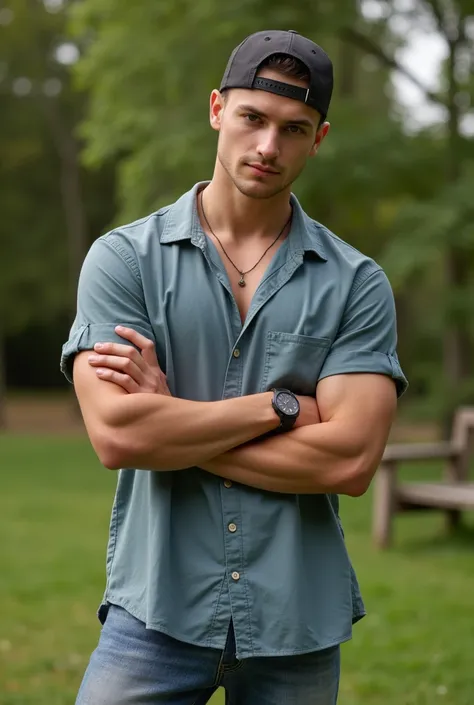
256 190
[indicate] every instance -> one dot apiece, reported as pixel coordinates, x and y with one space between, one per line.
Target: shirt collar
182 223
181 220
304 234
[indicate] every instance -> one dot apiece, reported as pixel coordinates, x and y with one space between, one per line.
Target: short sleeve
367 337
109 293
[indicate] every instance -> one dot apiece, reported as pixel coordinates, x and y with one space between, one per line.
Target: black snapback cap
247 58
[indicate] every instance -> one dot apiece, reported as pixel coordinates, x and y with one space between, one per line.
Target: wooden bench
452 494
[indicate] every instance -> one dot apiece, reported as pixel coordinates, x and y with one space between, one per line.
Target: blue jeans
133 665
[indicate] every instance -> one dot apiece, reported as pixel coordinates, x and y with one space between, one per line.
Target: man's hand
132 370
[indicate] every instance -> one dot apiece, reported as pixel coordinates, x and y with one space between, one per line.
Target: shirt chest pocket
293 362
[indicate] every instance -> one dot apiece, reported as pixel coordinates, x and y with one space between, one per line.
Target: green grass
414 647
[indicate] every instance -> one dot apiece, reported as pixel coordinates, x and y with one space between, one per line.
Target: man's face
264 139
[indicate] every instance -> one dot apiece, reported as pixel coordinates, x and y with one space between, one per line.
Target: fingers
121 351
122 380
124 365
146 345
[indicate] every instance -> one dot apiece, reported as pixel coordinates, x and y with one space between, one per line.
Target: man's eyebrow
304 122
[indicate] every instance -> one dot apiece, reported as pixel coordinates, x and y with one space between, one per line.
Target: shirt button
235 575
232 528
236 352
227 483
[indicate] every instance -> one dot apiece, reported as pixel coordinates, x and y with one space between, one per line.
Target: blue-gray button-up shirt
187 551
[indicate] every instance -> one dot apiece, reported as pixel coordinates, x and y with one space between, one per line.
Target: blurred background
103 119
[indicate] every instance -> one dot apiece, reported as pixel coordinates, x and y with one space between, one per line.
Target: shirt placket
232 601
238 599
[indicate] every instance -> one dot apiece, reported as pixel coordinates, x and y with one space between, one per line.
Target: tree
435 229
45 196
33 254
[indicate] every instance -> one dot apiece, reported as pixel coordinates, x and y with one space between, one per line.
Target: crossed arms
339 454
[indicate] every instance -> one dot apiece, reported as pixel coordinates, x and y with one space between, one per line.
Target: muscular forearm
309 460
158 432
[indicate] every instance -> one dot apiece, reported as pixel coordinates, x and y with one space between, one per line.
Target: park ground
413 648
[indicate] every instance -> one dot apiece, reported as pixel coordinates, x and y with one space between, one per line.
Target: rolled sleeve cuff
85 337
371 361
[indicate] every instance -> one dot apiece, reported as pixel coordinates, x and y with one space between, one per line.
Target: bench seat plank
442 450
442 495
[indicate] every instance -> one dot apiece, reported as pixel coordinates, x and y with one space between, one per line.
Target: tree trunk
71 194
457 345
73 203
3 384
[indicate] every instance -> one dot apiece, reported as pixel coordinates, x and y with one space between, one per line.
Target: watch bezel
278 392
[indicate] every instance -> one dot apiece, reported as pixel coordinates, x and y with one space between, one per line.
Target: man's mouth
260 168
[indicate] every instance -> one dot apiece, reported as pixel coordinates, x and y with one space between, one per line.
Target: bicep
364 406
109 293
97 399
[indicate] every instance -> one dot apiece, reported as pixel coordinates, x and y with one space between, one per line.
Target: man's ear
217 104
320 135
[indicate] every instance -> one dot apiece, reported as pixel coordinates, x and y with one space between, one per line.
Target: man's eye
252 118
295 129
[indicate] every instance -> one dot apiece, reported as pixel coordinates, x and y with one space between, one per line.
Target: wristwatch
287 407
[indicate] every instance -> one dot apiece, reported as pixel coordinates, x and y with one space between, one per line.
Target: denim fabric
133 665
322 309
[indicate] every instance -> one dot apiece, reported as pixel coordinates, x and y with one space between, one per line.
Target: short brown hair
287 66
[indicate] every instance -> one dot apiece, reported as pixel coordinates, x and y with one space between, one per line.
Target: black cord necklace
242 281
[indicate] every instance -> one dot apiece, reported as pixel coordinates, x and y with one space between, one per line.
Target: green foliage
149 69
35 274
142 86
34 256
426 229
33 264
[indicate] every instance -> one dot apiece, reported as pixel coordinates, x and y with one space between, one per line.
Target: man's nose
268 147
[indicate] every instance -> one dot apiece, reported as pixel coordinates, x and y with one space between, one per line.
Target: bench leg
454 472
453 518
384 505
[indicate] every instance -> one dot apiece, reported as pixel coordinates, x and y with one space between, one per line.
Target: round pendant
242 281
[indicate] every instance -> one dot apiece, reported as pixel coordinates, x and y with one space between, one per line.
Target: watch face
287 404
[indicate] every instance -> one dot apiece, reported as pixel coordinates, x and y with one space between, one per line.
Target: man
275 381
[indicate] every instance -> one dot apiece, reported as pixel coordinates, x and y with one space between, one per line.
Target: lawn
413 648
